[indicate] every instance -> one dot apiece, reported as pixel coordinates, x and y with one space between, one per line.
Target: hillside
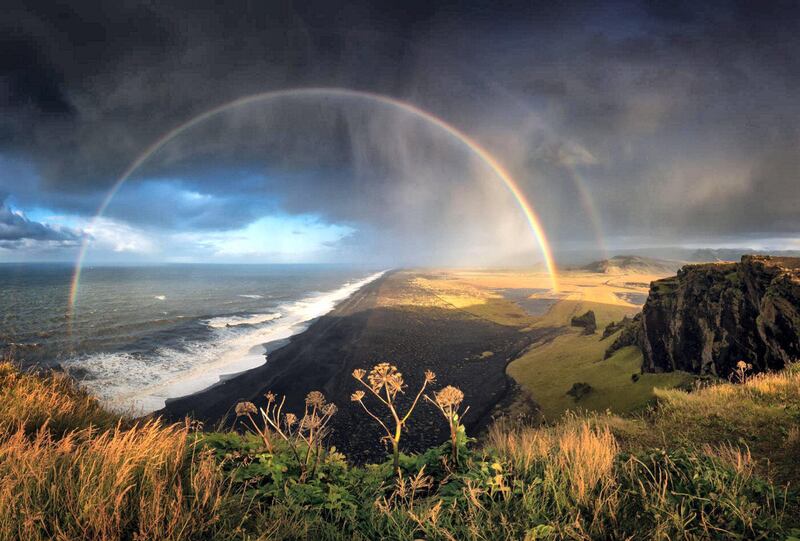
632 264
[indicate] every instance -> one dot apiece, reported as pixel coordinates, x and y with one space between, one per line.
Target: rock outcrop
631 334
579 390
586 321
710 316
615 326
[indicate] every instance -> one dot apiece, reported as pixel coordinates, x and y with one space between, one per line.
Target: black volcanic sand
357 334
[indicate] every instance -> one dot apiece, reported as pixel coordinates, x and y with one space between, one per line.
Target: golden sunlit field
548 370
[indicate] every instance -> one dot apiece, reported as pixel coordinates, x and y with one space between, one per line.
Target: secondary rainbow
467 141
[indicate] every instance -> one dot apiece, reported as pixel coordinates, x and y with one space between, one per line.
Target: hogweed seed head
245 408
315 398
385 374
310 422
357 396
449 397
329 409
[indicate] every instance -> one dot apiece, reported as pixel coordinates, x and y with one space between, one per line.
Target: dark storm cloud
16 228
679 118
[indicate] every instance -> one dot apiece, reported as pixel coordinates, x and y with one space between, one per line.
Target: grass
29 401
138 483
71 470
549 370
711 464
763 414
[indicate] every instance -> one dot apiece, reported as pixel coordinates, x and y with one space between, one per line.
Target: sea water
140 335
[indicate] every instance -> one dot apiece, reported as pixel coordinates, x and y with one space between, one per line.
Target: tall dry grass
576 452
70 470
587 487
138 483
31 400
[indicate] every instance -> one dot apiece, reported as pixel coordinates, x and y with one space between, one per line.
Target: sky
626 125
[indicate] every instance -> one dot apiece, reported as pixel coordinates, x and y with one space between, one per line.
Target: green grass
763 414
681 471
549 370
562 312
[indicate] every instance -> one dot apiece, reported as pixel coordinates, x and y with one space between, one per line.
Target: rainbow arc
495 166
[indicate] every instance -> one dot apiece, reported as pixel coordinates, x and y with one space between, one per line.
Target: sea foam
233 321
141 384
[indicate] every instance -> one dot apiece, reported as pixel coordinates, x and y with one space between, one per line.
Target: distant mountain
633 264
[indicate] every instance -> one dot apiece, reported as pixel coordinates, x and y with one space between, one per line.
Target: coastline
238 349
359 332
214 402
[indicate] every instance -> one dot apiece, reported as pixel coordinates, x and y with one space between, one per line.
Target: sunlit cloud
119 237
283 239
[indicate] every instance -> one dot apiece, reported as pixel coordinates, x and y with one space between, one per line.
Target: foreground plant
448 402
741 373
305 435
385 382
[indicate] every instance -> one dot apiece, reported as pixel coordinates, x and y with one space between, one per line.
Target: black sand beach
360 332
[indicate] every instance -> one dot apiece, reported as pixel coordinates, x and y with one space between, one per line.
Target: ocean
140 335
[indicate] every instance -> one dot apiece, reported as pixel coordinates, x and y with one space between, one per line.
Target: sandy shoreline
364 330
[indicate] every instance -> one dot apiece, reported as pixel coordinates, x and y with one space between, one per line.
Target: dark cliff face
710 316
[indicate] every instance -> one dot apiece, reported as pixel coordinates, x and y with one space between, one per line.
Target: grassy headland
638 460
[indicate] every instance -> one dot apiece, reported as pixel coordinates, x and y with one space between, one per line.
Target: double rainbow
499 171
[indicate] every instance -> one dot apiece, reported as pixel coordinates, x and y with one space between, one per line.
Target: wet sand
360 332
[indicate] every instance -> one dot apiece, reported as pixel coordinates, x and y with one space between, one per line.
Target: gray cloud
674 120
18 231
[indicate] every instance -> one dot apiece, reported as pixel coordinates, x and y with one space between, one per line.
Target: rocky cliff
710 316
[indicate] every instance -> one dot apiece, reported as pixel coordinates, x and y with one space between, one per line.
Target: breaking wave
141 383
233 321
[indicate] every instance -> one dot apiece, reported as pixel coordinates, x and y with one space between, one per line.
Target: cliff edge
710 316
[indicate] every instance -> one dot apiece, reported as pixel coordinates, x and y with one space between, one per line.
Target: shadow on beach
359 334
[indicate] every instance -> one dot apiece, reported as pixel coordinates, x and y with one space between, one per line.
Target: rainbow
590 208
471 144
577 180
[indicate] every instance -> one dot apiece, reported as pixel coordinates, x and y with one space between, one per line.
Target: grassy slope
549 370
71 470
763 414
